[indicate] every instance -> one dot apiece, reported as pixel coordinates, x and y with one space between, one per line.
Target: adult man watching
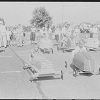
3 37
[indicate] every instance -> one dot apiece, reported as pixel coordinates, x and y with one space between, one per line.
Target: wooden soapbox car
92 44
46 46
83 63
39 66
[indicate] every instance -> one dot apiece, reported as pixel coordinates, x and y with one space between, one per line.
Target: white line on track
6 56
10 72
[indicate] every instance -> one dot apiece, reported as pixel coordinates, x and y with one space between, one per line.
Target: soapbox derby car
46 46
39 66
92 44
66 45
83 63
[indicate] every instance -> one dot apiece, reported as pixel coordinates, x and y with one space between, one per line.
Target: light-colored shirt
8 35
2 30
78 49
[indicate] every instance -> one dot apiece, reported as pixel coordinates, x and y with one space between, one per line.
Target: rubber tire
75 73
31 79
61 75
99 70
66 64
52 51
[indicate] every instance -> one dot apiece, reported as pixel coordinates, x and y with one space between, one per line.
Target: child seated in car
79 48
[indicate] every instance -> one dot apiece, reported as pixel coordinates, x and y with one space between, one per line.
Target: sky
15 13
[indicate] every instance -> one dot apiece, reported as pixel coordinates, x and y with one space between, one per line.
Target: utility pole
62 12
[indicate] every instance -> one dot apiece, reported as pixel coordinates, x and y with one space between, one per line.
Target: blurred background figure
19 36
8 36
32 35
23 40
13 38
3 35
57 34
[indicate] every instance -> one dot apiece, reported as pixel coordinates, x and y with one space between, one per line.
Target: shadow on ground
85 74
2 51
46 78
69 50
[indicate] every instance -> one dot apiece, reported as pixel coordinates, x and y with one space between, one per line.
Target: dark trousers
57 37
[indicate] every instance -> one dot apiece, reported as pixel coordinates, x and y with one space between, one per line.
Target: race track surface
14 81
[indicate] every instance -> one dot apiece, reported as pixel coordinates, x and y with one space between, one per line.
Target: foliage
41 18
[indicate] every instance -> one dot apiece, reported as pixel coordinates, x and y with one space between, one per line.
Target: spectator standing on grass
3 35
57 34
13 38
23 37
19 36
32 35
99 32
8 36
76 34
64 31
91 31
38 34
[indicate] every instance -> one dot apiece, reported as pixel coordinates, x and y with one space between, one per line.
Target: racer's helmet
36 48
81 43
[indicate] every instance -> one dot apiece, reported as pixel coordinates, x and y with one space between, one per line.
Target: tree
41 18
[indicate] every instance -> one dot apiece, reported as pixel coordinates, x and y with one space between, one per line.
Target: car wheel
74 73
31 79
61 75
52 51
66 64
